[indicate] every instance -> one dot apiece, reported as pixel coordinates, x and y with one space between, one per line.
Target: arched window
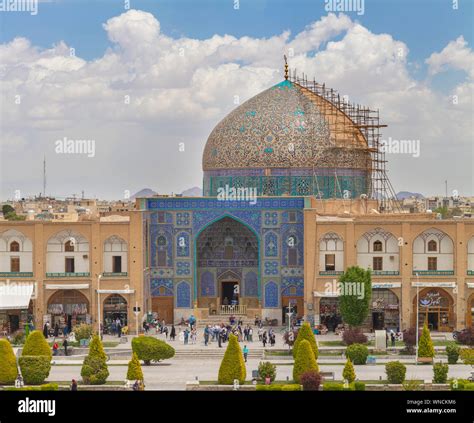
377 245
292 251
14 246
69 246
432 245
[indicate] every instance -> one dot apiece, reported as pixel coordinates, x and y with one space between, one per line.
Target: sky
145 82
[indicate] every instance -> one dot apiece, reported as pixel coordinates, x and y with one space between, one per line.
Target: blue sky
421 24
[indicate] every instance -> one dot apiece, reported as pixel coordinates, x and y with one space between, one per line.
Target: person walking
246 352
56 330
46 330
392 338
65 346
264 339
206 335
186 336
74 385
172 333
219 337
119 328
250 334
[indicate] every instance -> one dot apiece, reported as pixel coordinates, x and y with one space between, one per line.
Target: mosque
323 203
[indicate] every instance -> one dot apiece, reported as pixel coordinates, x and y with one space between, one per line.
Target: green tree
304 361
34 368
349 373
425 347
151 349
232 365
305 333
36 344
356 292
6 209
8 368
134 371
94 369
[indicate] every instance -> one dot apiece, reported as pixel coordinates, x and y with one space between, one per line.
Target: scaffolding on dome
341 127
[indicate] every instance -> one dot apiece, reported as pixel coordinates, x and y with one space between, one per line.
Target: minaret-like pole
286 66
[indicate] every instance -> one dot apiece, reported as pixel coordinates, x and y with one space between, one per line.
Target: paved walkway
173 374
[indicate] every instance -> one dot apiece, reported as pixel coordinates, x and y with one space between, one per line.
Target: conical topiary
94 370
349 373
8 368
232 365
425 346
305 332
36 344
304 361
134 371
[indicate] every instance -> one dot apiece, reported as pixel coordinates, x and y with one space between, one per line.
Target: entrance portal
230 293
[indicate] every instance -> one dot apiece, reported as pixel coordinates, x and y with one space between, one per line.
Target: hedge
8 368
232 366
36 344
304 361
34 368
289 387
337 386
467 356
357 353
94 369
461 385
134 371
150 349
45 387
305 333
396 372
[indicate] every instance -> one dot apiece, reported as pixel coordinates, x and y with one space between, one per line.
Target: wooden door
164 307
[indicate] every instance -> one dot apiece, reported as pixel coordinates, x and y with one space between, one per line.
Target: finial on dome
286 66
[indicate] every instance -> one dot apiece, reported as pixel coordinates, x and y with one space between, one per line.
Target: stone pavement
173 374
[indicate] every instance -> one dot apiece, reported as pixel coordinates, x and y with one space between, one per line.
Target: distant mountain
192 192
145 192
405 194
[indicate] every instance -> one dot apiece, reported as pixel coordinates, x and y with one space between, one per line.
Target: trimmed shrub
353 336
83 331
466 336
305 333
36 344
396 372
359 386
150 349
452 351
232 366
409 338
34 368
467 356
94 369
8 368
304 360
333 386
412 385
289 387
357 353
134 371
349 373
311 380
425 346
267 369
440 372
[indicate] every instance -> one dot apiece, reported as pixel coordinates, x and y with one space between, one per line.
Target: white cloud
149 92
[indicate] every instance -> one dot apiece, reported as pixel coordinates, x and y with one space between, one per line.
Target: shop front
68 308
435 306
385 310
329 314
16 307
115 309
